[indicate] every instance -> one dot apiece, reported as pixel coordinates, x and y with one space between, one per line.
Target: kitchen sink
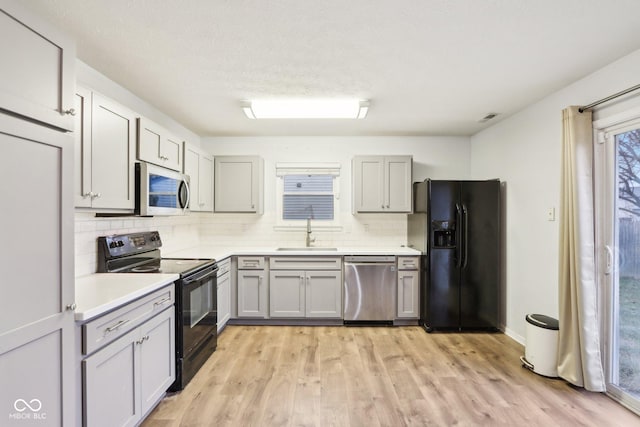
307 249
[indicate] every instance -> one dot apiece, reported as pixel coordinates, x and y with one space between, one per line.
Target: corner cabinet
105 142
199 166
382 184
239 184
38 68
37 341
158 146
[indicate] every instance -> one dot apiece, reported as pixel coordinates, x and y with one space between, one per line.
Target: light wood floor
364 376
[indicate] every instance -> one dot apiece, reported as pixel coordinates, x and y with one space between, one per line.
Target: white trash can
541 347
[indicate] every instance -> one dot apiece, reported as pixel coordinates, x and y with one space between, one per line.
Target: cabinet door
82 150
237 184
199 167
171 152
409 294
287 294
110 381
224 300
398 171
37 68
156 145
324 294
205 178
368 184
252 293
157 358
37 341
113 150
191 167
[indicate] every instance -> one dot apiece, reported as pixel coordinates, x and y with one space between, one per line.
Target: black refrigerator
456 225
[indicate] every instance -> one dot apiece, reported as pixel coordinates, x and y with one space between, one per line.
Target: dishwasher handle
370 259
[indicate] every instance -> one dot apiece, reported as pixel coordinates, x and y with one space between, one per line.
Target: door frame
607 257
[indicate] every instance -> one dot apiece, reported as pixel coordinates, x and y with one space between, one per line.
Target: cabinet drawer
408 262
305 263
250 262
104 329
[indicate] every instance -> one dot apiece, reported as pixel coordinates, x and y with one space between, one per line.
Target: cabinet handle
95 195
382 206
388 206
89 194
116 326
162 301
71 306
70 112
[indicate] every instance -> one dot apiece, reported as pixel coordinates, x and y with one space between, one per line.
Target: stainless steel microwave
160 191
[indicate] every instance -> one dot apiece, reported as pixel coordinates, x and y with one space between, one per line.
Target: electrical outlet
551 214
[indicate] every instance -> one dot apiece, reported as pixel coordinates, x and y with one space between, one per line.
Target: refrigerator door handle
458 236
465 240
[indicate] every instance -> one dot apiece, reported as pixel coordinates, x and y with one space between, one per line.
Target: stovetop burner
146 269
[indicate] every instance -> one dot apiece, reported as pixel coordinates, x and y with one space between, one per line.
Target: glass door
618 220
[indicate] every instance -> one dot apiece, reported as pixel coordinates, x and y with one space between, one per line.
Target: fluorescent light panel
306 109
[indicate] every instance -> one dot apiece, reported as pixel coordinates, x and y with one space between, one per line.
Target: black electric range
196 294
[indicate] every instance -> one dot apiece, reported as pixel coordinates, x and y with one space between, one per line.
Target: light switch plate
551 214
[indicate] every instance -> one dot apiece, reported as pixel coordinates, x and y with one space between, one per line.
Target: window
307 192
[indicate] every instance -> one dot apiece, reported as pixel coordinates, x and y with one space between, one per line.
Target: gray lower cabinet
252 293
126 377
253 287
312 292
224 293
408 288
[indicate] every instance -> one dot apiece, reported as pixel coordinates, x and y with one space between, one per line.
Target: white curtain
579 358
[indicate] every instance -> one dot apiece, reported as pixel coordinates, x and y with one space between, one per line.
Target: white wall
434 157
524 150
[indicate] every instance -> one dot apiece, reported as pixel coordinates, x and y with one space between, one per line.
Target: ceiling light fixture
306 109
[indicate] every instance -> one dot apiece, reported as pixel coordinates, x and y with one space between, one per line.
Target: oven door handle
209 272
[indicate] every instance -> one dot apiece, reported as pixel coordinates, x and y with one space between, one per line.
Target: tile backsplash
233 231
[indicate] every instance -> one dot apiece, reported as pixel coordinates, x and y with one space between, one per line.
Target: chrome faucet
309 238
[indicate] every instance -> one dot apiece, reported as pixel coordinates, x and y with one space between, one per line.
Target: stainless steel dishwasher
369 289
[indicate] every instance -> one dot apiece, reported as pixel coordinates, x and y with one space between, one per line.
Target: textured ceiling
429 67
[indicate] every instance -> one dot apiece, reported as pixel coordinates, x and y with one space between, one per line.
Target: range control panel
127 244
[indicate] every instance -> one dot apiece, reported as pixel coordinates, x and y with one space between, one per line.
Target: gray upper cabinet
239 183
37 68
382 184
158 146
199 166
105 143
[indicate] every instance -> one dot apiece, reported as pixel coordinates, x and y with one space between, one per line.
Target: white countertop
99 293
219 254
